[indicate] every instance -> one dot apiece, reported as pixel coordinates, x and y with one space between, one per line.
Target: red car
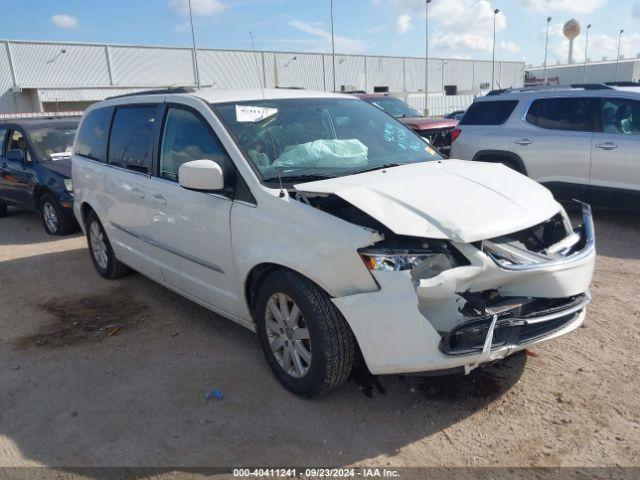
435 129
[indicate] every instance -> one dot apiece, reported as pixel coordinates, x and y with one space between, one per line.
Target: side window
17 141
131 137
489 112
91 141
560 114
621 116
3 134
186 137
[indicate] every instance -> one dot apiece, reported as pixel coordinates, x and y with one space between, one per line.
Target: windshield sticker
246 113
429 150
402 137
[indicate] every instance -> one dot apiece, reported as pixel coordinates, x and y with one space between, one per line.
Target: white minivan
329 228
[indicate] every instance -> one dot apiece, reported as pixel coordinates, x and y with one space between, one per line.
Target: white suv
579 142
328 227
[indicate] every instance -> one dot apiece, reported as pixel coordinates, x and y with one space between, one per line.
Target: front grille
440 138
516 324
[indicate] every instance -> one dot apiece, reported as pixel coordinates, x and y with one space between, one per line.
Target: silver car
579 142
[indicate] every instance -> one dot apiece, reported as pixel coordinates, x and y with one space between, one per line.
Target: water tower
571 30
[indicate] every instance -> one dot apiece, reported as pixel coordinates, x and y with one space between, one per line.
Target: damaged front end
444 305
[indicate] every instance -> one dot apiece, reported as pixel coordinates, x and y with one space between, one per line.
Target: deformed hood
450 199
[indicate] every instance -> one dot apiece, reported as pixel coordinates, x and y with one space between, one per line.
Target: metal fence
74 66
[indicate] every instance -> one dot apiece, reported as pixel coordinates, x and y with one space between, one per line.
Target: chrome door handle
158 198
523 141
606 145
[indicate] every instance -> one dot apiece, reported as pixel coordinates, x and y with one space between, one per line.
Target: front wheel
306 340
100 250
53 218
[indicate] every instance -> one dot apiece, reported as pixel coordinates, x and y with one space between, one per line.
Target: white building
628 70
49 77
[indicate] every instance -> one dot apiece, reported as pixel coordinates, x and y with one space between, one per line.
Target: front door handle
160 199
606 145
523 141
136 192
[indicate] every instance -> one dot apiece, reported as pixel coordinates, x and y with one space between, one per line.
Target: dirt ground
114 373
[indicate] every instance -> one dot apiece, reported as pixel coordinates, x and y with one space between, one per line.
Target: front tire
100 250
306 340
53 218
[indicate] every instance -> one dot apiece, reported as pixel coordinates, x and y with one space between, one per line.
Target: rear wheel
100 250
306 340
53 218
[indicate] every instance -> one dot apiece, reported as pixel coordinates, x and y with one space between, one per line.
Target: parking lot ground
114 373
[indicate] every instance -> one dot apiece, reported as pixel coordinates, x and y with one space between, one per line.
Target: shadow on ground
136 397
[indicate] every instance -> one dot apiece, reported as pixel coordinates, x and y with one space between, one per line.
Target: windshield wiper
306 177
379 167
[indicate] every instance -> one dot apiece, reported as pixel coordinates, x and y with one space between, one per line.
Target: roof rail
159 91
623 84
543 88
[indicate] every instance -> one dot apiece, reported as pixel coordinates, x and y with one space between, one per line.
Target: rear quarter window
489 113
91 141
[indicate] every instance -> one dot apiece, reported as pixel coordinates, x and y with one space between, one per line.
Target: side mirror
15 155
205 175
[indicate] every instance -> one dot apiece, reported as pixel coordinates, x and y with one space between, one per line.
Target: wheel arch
495 156
258 273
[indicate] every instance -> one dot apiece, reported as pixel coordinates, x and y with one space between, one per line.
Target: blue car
35 170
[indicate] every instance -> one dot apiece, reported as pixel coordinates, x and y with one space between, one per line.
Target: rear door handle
160 199
606 145
523 141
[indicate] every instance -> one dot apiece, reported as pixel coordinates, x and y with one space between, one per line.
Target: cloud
203 8
403 23
344 44
63 20
460 24
573 6
509 46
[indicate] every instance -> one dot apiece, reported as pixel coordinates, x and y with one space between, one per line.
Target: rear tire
53 218
316 337
100 250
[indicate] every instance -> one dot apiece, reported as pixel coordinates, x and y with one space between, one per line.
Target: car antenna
260 81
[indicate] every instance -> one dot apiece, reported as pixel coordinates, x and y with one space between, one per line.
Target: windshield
53 143
320 137
393 106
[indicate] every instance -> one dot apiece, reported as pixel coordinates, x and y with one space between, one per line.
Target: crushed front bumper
418 325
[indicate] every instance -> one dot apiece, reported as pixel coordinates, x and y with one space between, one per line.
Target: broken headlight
392 262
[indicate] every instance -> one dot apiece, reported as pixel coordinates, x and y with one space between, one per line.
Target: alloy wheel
50 217
288 335
98 245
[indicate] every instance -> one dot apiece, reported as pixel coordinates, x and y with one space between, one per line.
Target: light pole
195 51
493 58
618 56
546 48
333 50
426 57
586 59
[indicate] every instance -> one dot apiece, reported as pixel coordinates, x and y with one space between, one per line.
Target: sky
457 28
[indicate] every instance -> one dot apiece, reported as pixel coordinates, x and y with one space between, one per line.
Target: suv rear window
560 114
91 141
489 113
130 140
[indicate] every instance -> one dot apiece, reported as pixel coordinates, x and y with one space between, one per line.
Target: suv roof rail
623 84
543 88
159 91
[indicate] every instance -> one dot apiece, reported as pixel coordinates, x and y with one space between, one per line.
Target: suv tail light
455 133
